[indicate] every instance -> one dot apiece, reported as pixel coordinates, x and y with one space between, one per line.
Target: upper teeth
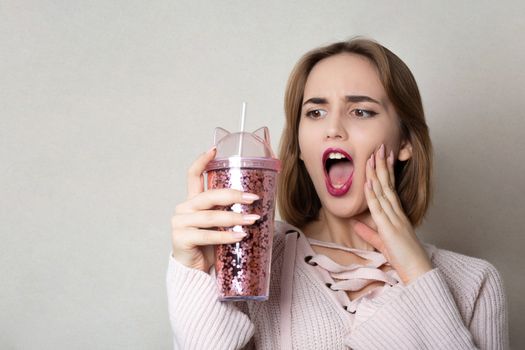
336 155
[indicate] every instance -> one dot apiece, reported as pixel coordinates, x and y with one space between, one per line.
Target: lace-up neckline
350 277
298 250
353 277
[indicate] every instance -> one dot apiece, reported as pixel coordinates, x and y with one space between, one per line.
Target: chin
343 207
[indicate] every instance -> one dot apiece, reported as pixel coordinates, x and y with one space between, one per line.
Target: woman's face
345 117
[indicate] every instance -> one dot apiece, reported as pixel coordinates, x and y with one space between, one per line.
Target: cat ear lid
220 133
263 133
243 150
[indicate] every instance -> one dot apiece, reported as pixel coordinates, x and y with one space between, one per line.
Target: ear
405 152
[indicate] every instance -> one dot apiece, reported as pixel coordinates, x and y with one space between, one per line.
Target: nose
335 128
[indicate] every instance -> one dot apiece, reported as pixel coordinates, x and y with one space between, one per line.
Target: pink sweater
460 304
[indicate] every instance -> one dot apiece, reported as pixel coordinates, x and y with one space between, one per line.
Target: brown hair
298 200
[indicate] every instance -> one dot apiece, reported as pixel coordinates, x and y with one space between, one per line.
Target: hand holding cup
194 223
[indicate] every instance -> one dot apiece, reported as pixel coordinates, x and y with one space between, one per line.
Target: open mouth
339 168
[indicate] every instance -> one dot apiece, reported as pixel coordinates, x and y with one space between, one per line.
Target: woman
348 269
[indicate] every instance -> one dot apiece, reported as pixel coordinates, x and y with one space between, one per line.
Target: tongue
340 172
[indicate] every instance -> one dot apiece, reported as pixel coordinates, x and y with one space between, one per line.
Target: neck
330 228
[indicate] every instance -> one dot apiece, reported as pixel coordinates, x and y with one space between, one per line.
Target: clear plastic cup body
245 161
243 268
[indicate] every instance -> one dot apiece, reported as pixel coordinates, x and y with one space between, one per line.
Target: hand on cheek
395 237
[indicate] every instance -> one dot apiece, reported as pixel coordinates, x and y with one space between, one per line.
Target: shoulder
465 269
281 229
467 277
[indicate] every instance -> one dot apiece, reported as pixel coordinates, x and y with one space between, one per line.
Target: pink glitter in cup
243 268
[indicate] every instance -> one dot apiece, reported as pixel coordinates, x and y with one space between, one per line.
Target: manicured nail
382 151
391 157
239 235
250 218
373 162
249 197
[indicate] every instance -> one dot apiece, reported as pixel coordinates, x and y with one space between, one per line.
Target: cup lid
244 150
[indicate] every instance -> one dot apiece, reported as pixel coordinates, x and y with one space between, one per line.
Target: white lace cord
355 277
352 306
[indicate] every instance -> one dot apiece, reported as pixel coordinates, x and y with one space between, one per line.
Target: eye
363 113
316 113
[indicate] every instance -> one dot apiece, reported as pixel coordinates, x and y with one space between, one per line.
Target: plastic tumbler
245 161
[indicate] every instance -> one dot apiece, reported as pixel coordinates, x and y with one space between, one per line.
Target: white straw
243 116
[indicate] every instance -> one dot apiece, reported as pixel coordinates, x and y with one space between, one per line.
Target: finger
212 218
381 169
384 172
390 162
368 234
378 214
392 193
211 198
187 239
380 204
195 178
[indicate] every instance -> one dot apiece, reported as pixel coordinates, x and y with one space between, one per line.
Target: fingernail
249 197
391 157
373 162
239 234
250 218
369 184
382 151
212 149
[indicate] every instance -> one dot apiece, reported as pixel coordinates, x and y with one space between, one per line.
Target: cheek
364 142
304 138
367 142
368 139
309 154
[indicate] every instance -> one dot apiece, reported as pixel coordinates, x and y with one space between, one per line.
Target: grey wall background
104 105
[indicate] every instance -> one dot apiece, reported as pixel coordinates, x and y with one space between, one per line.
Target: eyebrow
349 98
